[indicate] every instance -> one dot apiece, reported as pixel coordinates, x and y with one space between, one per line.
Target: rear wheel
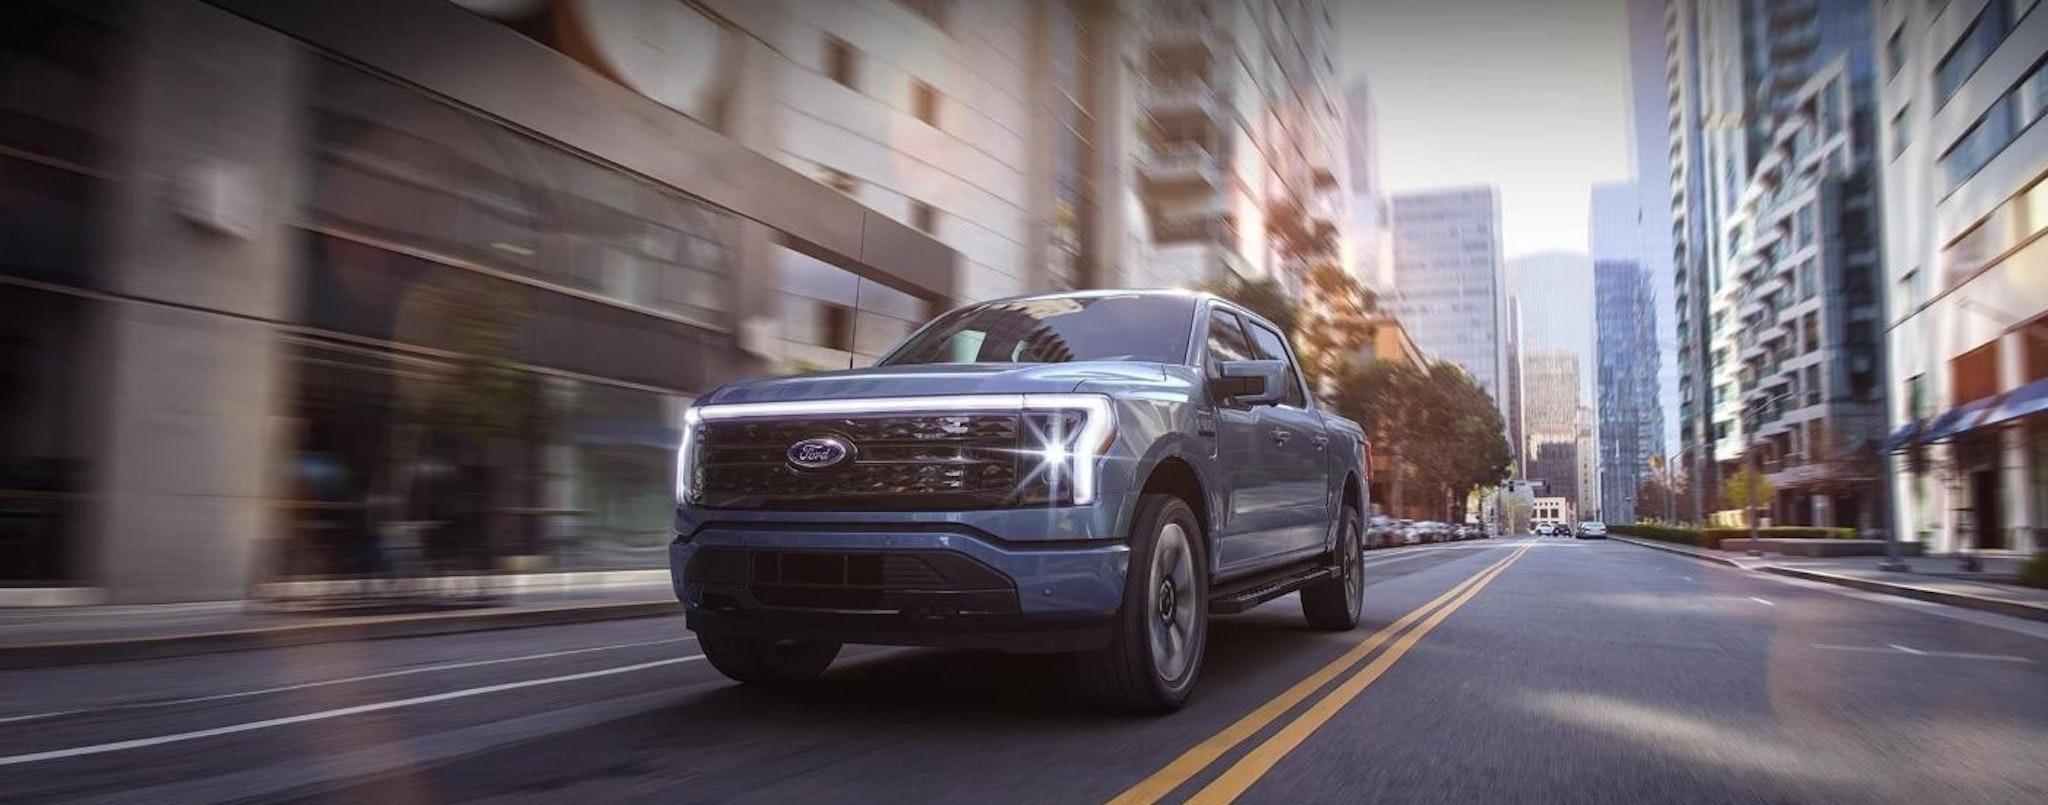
1163 625
1334 604
760 659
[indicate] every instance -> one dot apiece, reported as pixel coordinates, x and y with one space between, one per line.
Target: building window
935 12
1895 53
1976 45
1809 332
1981 143
1902 131
925 217
924 102
841 62
1916 397
1974 374
1813 387
1803 226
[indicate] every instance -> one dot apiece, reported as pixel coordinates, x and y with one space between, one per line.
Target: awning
1903 436
2031 398
1955 421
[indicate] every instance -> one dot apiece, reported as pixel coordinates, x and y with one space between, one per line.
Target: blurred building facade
1239 139
1450 282
292 294
1966 271
1372 248
1745 80
1630 420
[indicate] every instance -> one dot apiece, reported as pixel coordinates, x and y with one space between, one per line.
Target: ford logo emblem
819 453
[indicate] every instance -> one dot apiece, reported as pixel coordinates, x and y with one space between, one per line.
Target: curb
1722 560
373 627
2013 609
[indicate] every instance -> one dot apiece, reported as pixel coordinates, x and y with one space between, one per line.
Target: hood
936 379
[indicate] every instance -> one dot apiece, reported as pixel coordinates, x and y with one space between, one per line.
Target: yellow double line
1254 764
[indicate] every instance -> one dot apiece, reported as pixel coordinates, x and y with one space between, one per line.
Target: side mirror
1251 382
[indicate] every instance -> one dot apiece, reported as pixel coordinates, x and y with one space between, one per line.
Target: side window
1271 346
1226 341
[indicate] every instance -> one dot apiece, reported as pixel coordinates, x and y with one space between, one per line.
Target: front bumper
898 584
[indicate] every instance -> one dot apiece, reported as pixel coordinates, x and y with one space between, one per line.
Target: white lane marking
1761 601
159 740
1894 648
451 666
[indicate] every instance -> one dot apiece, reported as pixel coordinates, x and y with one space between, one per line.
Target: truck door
1294 434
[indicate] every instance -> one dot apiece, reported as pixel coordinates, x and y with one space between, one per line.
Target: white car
1592 530
1545 529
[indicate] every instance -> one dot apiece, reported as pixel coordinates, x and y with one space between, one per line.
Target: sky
1528 95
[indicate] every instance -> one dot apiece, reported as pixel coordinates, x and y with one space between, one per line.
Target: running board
1242 595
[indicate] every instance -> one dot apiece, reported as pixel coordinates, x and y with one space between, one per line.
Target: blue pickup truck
1092 473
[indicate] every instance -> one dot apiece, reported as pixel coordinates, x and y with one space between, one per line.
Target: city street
1503 670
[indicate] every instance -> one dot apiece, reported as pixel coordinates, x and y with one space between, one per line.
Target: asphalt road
1524 670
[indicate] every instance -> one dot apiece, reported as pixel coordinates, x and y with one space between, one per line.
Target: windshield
1133 327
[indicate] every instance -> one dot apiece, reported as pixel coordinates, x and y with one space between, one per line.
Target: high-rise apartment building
1449 280
1631 422
1241 143
1966 270
1745 80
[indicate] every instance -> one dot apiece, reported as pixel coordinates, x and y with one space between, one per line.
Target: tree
1735 489
1336 320
1439 427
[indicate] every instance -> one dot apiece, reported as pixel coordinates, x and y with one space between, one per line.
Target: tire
766 660
1162 628
1333 605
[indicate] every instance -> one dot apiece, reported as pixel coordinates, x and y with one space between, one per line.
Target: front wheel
1334 604
1163 626
760 659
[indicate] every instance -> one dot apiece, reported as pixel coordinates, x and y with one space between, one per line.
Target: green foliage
2035 572
1712 537
1440 422
1735 489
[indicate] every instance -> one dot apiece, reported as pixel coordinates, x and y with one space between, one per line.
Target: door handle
1281 435
1321 442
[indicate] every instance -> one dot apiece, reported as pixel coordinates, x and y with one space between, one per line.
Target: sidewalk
1930 578
78 635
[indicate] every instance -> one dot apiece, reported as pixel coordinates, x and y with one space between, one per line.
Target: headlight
1066 436
688 479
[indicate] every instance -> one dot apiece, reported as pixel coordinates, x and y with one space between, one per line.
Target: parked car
1092 473
1545 529
1592 529
1381 531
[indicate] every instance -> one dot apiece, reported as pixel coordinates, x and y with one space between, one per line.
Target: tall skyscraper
1550 384
1965 191
1767 93
1650 143
1631 421
1555 292
1449 280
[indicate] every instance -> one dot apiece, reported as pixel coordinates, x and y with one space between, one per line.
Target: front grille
908 581
896 462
